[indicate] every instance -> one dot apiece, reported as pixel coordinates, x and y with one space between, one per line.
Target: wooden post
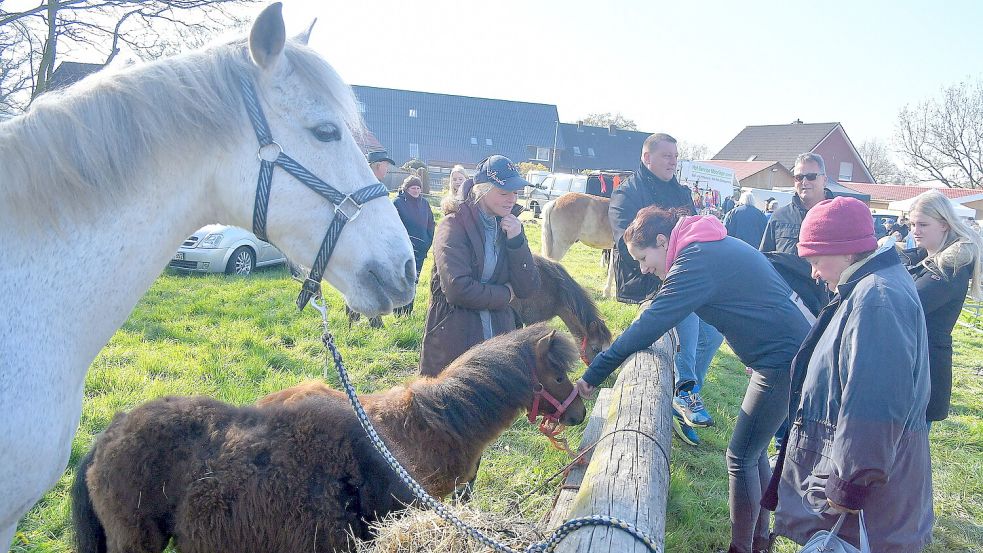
628 476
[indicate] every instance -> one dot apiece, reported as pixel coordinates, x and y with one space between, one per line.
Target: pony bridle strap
539 393
346 206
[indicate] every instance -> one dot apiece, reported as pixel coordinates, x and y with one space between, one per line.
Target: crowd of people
848 341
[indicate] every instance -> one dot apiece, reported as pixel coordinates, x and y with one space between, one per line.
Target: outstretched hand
585 390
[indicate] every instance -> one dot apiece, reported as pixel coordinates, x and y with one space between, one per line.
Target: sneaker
689 406
684 431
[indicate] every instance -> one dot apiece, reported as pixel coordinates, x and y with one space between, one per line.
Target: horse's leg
609 284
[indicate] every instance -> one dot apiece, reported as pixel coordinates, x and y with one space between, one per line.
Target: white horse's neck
82 278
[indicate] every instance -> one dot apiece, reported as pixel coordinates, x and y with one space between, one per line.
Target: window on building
542 154
590 152
412 112
488 142
415 151
846 171
361 107
576 150
474 141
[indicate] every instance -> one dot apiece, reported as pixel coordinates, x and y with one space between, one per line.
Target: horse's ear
305 37
268 35
543 347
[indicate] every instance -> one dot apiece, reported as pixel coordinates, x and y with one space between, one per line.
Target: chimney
580 126
611 129
797 121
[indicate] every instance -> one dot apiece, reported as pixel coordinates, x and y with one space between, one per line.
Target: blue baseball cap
501 172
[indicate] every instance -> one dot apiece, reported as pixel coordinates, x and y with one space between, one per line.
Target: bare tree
877 156
607 118
33 41
692 150
942 139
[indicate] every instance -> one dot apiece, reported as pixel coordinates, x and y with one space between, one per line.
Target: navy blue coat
731 286
747 223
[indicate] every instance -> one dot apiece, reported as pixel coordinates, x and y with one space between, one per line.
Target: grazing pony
560 295
299 474
100 184
576 217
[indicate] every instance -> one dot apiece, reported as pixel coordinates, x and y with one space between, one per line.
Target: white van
552 187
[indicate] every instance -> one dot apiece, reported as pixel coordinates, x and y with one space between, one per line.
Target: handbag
826 541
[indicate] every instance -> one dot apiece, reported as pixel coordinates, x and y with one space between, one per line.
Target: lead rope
541 547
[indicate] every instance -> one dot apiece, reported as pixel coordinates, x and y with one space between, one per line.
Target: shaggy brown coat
300 475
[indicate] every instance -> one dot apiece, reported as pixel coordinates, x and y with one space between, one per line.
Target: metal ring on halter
267 148
321 306
345 207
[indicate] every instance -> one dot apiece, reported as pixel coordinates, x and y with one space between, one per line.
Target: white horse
100 184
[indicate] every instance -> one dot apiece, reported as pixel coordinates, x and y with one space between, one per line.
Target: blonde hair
451 200
961 245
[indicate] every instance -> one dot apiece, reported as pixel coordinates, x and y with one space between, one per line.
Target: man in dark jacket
746 222
782 231
654 183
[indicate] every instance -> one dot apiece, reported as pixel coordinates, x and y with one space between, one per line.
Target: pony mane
86 146
487 382
571 294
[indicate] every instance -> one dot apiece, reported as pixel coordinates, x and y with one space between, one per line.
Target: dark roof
445 124
775 142
620 150
70 72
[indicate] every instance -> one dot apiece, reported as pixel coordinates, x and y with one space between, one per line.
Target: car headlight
211 241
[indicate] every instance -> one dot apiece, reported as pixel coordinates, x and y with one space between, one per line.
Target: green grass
238 339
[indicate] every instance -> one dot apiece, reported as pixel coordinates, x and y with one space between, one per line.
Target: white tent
905 206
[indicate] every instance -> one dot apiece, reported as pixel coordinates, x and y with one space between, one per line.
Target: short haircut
653 140
747 198
813 157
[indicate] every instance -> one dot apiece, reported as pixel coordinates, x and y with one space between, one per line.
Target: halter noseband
539 393
347 206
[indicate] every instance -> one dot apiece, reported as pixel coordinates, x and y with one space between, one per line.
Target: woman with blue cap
481 261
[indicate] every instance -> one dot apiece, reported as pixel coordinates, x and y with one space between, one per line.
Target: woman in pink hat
860 387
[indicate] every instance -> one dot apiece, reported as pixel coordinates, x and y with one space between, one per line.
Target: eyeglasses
807 176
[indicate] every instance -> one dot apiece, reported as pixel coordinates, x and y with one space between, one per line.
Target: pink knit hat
840 226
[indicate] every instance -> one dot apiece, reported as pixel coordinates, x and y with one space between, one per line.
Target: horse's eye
559 380
326 132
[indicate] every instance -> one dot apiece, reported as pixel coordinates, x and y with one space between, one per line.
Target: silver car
221 248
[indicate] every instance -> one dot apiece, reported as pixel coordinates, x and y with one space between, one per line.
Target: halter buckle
349 208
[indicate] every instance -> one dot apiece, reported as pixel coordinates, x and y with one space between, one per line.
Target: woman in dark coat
858 439
481 261
701 267
415 213
945 262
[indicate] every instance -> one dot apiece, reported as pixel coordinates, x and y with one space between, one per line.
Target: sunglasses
807 176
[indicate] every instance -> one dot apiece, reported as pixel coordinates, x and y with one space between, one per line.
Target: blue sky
698 70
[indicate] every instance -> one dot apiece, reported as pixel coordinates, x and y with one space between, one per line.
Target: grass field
238 339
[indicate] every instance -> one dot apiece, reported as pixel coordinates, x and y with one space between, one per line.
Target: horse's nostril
410 271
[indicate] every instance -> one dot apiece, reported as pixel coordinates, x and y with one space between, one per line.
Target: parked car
552 187
221 248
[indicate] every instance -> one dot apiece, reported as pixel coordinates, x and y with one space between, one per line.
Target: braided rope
542 547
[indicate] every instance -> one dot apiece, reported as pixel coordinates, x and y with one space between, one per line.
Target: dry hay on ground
418 531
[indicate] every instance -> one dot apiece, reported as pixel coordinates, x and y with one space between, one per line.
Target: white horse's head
312 115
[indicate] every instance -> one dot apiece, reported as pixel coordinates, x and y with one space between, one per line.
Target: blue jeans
698 342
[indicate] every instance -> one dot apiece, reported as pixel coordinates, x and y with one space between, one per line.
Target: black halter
347 207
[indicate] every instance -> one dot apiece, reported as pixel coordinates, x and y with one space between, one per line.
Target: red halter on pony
550 425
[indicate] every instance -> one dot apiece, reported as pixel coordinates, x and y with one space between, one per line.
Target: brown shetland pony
561 296
576 217
300 474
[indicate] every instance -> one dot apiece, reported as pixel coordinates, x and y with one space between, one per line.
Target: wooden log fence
628 474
